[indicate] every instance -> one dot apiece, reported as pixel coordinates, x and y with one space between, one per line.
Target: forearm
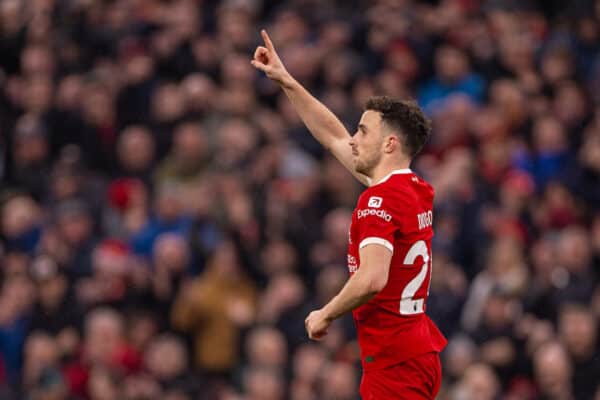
355 293
319 120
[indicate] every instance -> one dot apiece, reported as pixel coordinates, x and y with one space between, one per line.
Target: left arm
370 279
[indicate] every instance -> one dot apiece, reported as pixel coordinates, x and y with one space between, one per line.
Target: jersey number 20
408 305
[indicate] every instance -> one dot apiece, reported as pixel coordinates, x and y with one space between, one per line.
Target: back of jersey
393 327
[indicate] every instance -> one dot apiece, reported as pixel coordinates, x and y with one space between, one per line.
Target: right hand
267 60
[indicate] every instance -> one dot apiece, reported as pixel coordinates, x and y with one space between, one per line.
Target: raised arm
319 120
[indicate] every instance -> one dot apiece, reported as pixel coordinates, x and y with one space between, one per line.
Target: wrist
327 314
287 82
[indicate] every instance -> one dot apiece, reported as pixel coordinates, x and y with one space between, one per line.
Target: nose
351 142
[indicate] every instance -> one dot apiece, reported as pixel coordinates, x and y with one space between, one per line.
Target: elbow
376 285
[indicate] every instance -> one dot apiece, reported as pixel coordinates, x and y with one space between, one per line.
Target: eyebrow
362 127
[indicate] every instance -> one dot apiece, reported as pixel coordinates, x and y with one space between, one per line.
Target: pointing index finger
267 40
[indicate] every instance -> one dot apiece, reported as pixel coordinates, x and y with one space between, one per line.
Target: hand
267 60
317 324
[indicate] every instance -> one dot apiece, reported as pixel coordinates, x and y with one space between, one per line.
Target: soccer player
389 255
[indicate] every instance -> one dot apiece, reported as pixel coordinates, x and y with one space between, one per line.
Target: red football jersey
396 213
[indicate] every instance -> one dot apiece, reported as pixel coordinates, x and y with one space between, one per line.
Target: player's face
367 143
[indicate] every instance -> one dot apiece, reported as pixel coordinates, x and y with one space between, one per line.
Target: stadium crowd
167 222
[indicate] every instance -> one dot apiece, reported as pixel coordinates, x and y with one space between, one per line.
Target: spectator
213 308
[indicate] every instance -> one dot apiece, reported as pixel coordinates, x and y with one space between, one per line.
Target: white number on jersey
408 305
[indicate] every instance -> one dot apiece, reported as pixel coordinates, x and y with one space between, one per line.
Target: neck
384 169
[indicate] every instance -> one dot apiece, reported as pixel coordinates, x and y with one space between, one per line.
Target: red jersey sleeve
376 222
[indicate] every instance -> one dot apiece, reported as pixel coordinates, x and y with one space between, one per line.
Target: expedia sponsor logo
375 201
378 213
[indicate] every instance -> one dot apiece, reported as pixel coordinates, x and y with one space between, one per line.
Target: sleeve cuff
376 240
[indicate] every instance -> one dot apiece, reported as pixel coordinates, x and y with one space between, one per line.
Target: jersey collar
394 172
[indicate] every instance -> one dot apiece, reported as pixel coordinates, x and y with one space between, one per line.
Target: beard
366 165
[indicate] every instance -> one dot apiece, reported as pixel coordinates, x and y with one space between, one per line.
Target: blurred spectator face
297 63
552 370
19 216
266 347
402 59
506 256
284 291
263 384
41 352
16 298
478 382
574 250
330 281
225 261
190 143
168 206
135 149
338 68
104 331
499 311
183 19
289 27
138 66
279 256
51 284
459 355
339 183
206 52
30 147
168 103
236 140
74 221
589 153
237 100
142 328
578 330
451 64
199 91
166 358
335 34
68 93
340 382
308 361
65 183
171 251
38 94
549 136
37 59
570 104
235 27
488 123
111 258
236 71
559 207
97 105
557 65
516 51
101 385
508 97
336 226
11 16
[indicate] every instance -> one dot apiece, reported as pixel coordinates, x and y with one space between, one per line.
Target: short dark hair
406 117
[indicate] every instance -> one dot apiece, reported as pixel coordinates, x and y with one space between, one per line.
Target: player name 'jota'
425 219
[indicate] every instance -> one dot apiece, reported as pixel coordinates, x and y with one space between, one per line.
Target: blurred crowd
167 222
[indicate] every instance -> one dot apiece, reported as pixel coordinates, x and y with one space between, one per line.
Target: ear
391 143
